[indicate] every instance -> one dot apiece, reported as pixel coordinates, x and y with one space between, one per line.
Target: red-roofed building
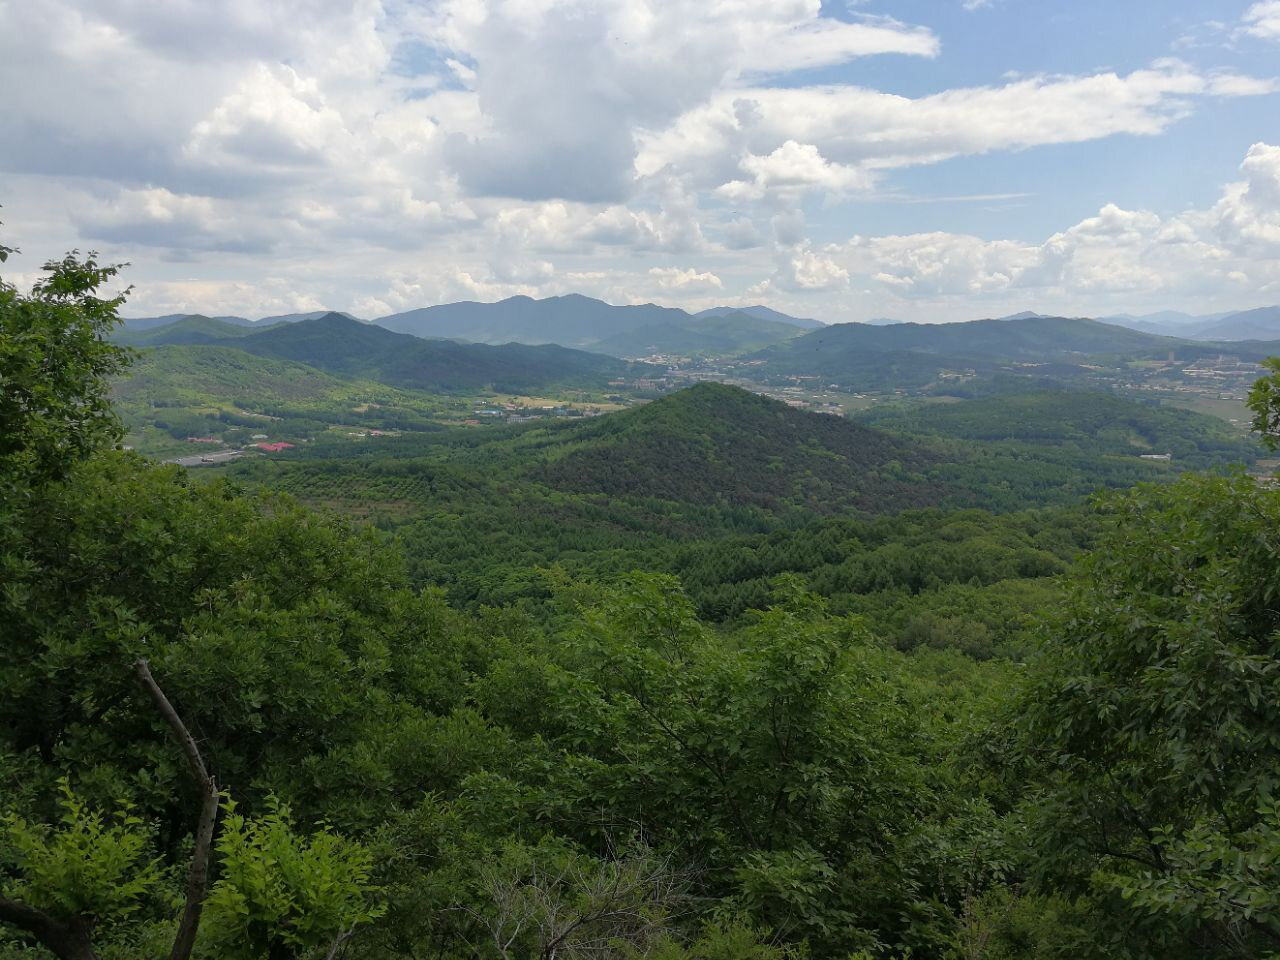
274 447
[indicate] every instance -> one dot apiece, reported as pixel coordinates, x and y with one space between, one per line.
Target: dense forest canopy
1018 729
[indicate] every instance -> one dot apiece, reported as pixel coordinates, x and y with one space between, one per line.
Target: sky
923 160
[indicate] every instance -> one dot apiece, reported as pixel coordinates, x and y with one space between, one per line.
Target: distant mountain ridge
719 334
136 324
581 322
1260 323
191 329
339 345
908 355
762 313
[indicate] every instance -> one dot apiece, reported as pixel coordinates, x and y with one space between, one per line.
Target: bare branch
198 875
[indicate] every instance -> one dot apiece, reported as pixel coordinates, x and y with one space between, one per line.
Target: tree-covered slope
713 443
344 347
171 374
136 324
1033 338
1098 422
913 355
189 329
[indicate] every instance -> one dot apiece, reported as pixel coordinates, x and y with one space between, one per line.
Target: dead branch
198 875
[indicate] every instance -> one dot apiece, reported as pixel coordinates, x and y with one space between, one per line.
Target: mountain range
1261 323
570 321
589 324
344 347
908 355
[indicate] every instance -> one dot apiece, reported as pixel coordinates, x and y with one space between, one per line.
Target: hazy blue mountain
1262 323
573 320
761 313
722 334
1172 323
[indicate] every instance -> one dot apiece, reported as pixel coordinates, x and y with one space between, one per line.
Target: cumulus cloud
673 278
1263 20
796 166
859 132
382 154
1114 254
564 86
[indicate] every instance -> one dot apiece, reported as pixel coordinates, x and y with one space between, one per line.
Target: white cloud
794 165
1115 254
564 86
383 154
863 131
673 278
1263 20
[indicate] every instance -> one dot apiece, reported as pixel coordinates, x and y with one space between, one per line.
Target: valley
468 598
639 480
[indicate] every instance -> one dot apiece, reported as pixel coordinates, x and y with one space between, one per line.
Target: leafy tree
1264 401
56 369
87 871
281 895
1152 724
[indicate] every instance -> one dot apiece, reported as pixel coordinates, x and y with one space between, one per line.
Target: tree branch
65 939
340 943
198 875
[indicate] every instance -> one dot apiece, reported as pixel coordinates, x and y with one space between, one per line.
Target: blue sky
919 159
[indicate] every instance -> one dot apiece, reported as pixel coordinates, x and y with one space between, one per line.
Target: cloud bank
377 155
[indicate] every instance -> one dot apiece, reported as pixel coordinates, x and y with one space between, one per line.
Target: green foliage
279 890
1076 419
56 368
1264 401
88 865
1152 724
343 347
790 735
713 444
227 394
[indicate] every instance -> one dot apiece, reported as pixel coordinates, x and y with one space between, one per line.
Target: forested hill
1033 338
908 355
713 443
1091 422
191 329
339 345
